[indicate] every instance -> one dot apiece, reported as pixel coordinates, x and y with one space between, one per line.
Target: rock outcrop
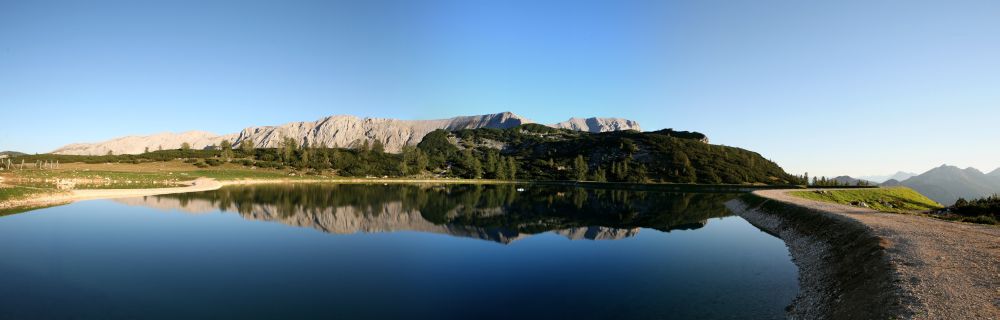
335 131
598 124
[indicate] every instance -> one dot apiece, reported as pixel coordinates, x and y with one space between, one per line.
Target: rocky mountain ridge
898 176
335 131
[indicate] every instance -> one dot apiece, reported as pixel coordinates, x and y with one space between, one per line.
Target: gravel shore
856 263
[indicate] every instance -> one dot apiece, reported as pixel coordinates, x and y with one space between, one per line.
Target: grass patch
19 192
893 199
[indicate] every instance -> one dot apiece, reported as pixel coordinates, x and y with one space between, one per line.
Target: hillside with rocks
335 131
545 153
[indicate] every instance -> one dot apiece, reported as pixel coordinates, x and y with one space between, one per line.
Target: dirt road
951 269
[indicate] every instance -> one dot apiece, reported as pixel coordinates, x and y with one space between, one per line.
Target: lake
394 251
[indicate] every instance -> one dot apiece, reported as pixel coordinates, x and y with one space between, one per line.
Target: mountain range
945 184
847 180
335 131
898 176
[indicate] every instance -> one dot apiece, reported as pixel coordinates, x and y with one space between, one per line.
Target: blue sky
841 87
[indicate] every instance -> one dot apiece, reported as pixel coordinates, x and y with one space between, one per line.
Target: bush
985 210
214 162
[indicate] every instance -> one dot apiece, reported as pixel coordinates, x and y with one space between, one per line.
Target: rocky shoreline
855 263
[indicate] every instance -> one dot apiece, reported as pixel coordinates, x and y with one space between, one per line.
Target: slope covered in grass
893 199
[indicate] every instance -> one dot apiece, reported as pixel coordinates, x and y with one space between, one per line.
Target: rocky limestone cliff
598 124
335 131
347 131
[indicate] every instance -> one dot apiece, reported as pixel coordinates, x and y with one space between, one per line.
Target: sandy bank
857 263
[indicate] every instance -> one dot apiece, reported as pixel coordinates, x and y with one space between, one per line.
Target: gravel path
951 269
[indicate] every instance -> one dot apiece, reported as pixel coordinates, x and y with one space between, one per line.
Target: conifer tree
580 167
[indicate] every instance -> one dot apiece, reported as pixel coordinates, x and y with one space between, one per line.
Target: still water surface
394 251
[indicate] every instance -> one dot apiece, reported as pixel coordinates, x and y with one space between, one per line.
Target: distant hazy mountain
340 130
898 176
945 184
11 153
891 183
995 173
851 181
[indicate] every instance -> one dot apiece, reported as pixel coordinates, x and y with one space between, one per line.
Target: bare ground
946 270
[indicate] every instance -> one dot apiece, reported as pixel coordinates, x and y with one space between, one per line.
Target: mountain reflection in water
497 213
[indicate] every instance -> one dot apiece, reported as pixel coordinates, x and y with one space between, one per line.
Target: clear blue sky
836 87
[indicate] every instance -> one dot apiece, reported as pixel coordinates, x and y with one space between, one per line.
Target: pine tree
422 160
501 173
246 146
472 165
511 168
580 167
491 165
288 147
639 174
227 149
599 175
304 157
403 169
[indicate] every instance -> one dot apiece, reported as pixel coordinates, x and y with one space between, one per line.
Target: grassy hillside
893 199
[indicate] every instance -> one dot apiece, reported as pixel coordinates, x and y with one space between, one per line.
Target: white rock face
598 124
335 131
347 131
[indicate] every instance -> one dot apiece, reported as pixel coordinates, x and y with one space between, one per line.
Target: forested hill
544 153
